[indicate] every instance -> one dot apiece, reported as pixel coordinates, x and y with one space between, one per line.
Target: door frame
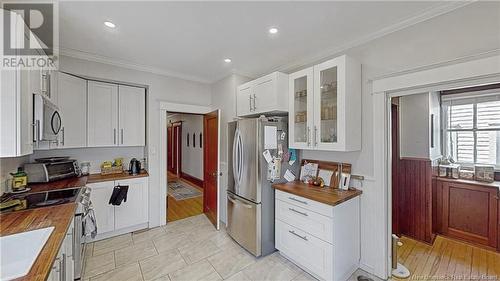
165 107
464 72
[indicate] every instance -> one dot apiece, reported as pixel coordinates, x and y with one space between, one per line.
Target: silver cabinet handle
250 102
114 136
62 272
315 136
62 142
298 212
122 134
300 236
254 99
297 200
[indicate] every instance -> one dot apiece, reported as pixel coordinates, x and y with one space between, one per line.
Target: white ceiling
191 39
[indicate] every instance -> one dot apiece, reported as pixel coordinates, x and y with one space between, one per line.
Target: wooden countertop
59 184
58 216
328 196
495 184
93 178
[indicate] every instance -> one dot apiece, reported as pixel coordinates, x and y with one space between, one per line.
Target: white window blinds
472 127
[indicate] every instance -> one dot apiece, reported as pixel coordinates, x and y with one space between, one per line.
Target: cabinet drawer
315 224
307 251
305 203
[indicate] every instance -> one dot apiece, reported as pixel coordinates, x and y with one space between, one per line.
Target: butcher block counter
93 178
58 216
323 195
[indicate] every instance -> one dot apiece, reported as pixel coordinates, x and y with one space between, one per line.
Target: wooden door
170 155
102 114
174 151
72 95
211 166
132 116
395 166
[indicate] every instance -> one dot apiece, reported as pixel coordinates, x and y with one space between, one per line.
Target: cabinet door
244 100
264 93
135 210
469 212
69 264
104 212
328 101
132 116
25 115
300 102
72 100
102 114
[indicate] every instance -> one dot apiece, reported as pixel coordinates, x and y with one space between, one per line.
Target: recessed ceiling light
227 60
109 24
273 30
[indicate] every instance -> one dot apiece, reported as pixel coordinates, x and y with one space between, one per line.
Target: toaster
51 171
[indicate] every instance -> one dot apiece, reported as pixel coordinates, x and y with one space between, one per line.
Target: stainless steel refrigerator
250 197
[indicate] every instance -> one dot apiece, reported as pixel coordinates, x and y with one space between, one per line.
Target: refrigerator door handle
240 157
239 202
235 159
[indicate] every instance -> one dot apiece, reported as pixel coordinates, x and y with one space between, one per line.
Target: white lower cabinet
323 240
130 213
133 211
64 265
104 212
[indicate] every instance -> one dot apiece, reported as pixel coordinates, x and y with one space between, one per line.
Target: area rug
182 191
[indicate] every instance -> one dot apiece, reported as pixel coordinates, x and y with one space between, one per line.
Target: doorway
192 162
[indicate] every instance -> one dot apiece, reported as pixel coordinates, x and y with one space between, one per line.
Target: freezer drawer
244 223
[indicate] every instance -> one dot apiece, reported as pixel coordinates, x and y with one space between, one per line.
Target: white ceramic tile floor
188 249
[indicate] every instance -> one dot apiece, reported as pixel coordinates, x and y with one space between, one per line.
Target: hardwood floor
181 209
447 257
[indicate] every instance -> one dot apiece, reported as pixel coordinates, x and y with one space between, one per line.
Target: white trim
476 69
428 14
165 107
462 73
130 65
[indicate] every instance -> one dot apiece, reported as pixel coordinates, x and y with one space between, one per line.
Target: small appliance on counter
134 167
51 169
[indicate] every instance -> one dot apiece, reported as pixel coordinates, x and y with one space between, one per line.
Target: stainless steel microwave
46 117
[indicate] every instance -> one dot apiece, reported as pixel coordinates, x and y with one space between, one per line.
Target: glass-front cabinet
301 108
325 106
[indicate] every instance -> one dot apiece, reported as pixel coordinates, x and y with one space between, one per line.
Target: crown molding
421 17
288 67
130 65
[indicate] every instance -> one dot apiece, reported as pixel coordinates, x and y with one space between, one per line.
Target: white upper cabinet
327 114
16 104
102 116
132 116
301 108
72 101
116 115
268 94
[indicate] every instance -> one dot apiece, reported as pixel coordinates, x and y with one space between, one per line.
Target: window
472 127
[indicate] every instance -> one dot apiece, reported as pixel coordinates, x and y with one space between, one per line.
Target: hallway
180 209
